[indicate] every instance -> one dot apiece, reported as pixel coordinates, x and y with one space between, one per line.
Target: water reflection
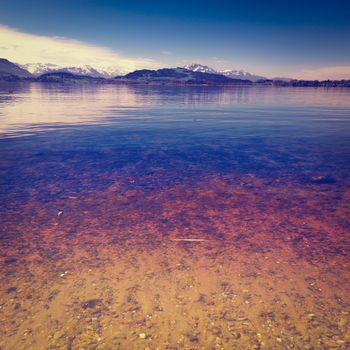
39 106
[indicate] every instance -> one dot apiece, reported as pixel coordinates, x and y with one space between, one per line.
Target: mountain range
192 74
231 73
53 73
38 69
181 75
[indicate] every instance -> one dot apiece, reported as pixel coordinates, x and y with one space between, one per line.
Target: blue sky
265 37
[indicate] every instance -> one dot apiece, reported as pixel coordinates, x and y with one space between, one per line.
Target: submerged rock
57 335
216 330
10 261
89 304
323 180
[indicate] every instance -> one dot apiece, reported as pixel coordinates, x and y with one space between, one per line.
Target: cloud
166 53
24 48
324 73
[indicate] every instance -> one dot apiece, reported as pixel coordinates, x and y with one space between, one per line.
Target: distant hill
11 70
62 77
179 75
282 79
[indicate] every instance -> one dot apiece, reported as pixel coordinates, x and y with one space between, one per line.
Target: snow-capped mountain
234 74
195 67
41 68
241 74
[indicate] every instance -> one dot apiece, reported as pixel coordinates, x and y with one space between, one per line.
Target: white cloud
23 48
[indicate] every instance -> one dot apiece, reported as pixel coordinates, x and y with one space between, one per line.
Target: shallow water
157 217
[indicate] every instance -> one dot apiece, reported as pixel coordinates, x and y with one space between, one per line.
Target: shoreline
153 83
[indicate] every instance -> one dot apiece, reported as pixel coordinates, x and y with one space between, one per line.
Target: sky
306 39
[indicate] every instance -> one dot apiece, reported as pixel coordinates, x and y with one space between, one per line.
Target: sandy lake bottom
219 265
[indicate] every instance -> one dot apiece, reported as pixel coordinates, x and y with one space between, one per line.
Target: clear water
174 217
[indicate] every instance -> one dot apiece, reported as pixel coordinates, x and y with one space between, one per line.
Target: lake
174 217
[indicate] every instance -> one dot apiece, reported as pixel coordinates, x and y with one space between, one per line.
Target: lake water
169 217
